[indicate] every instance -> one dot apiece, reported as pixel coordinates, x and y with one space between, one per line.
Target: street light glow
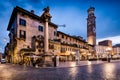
108 49
89 63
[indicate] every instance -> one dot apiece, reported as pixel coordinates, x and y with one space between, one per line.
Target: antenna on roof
61 25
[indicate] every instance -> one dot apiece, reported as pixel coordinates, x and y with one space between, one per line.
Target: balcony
57 40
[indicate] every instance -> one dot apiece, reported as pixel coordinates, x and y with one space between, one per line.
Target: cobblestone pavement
82 63
105 71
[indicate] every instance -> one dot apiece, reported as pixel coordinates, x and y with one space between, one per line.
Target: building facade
116 50
101 51
105 43
27 33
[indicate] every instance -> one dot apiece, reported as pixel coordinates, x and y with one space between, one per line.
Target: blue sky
72 13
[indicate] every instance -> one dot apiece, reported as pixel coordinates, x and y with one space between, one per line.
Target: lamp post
108 54
5 41
77 56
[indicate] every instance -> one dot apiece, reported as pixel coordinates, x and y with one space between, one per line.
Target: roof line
19 9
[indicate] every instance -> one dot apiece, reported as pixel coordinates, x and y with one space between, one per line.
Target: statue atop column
47 9
46 15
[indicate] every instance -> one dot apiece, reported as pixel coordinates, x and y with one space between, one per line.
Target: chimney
32 11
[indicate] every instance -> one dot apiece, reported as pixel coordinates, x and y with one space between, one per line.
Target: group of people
38 61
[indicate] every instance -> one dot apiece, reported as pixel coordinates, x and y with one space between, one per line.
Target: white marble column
46 36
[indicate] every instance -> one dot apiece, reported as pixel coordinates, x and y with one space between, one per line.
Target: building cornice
19 9
59 32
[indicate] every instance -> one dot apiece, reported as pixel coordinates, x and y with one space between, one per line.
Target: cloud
114 39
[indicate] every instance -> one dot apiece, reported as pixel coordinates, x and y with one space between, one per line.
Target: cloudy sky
72 13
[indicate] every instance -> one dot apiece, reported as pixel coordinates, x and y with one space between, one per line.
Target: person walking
54 60
109 57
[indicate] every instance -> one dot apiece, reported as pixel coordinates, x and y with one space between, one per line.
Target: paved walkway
81 63
104 71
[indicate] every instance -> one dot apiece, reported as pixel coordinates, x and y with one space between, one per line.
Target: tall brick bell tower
91 27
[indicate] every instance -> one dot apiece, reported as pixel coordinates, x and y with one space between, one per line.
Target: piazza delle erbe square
59 40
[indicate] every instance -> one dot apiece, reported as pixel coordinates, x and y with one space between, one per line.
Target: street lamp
108 54
77 56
